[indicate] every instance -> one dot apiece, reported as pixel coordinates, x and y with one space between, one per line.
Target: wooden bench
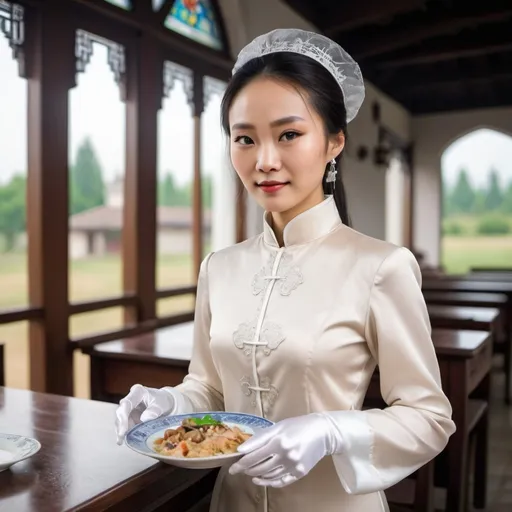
465 359
502 345
156 359
471 300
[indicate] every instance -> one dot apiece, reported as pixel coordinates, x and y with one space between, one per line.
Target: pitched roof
111 218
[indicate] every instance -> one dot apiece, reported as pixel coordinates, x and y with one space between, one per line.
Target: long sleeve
382 447
201 389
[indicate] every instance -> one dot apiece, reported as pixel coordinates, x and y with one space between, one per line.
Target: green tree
463 196
506 204
207 191
494 197
480 198
167 190
86 180
446 192
171 194
12 209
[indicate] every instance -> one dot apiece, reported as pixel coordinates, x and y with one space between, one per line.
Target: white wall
174 241
365 183
395 202
432 135
77 244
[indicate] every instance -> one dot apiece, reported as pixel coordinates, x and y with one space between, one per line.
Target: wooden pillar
197 194
144 89
51 73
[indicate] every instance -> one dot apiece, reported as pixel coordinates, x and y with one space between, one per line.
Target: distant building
97 231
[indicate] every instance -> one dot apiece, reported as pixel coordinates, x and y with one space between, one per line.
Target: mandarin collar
314 223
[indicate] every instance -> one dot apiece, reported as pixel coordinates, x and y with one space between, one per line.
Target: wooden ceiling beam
464 49
455 84
308 10
367 13
392 38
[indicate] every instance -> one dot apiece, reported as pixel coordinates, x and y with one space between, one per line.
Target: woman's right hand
139 405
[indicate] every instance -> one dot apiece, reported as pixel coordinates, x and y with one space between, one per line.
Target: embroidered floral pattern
269 393
245 382
271 336
269 397
245 334
292 276
259 283
289 276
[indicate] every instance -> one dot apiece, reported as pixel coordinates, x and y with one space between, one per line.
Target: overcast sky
97 111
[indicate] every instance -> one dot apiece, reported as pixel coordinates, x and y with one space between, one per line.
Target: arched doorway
476 210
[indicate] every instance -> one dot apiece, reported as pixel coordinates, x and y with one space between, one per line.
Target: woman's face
278 146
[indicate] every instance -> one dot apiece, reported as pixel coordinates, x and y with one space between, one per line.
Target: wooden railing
9 316
77 308
128 300
165 293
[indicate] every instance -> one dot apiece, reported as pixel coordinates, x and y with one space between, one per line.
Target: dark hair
324 95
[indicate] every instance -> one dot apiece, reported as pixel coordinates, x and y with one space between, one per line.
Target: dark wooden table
155 359
478 317
456 317
472 300
80 467
465 360
467 285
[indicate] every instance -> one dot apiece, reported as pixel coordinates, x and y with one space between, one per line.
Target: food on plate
200 437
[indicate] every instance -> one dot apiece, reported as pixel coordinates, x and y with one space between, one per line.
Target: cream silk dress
283 332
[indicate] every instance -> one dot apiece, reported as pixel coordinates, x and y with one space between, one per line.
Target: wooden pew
467 286
154 359
465 359
471 300
463 285
456 317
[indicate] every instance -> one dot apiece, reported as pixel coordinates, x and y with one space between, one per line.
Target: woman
290 324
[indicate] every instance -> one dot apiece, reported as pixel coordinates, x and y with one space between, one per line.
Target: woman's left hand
287 451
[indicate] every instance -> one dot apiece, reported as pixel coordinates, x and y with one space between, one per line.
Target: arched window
477 202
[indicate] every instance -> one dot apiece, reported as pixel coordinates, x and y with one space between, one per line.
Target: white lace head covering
326 52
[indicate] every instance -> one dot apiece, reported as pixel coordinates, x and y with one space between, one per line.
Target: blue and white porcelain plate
15 448
142 437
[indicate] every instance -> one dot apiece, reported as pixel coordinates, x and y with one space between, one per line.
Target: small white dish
142 437
14 449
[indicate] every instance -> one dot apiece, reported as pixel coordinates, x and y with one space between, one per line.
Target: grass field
101 277
469 223
459 254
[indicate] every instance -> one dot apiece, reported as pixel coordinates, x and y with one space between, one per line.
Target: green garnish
205 420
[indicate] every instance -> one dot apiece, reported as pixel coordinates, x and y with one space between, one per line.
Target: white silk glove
142 404
289 450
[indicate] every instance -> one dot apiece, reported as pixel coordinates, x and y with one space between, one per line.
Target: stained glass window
124 4
196 20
